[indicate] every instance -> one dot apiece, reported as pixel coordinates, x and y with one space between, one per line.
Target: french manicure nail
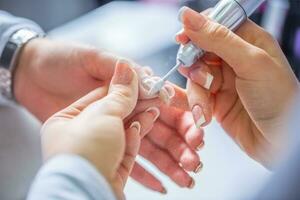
167 93
149 81
136 125
154 111
170 90
209 80
202 77
192 184
200 146
180 13
123 73
199 167
148 71
198 116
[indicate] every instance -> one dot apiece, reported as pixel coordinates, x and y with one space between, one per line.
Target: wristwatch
9 59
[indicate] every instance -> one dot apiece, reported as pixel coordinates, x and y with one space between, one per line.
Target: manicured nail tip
166 94
164 191
192 184
180 13
154 111
170 90
209 80
148 71
136 125
200 122
199 168
200 146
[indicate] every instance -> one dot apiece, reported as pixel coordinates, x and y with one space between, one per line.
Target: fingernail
200 146
192 20
192 184
199 167
148 71
180 13
202 77
154 111
167 93
164 191
198 116
136 125
149 81
123 73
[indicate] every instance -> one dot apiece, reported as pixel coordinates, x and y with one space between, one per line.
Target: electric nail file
230 13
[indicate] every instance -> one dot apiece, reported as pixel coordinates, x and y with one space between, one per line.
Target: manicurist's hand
52 74
252 83
93 127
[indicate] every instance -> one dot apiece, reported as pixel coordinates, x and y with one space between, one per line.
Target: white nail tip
200 122
209 80
136 125
156 110
148 71
170 90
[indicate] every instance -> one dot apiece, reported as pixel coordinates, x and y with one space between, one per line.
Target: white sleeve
70 177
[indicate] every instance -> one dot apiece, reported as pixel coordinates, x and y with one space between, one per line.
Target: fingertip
181 38
191 19
181 12
136 127
189 160
167 93
194 137
155 112
123 73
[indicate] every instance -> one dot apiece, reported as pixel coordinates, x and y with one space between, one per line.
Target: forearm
70 177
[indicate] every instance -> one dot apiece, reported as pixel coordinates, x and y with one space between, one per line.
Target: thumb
215 38
122 95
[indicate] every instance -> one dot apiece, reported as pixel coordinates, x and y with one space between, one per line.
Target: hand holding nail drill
252 83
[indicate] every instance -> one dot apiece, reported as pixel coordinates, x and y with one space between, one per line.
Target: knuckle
261 55
121 98
268 37
218 32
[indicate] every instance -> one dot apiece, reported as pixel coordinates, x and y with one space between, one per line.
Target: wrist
21 77
9 57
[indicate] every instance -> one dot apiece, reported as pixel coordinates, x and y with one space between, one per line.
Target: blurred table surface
143 32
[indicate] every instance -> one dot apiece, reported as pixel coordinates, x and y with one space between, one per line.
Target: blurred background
144 31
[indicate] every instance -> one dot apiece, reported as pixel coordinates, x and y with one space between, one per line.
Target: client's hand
51 75
93 128
253 83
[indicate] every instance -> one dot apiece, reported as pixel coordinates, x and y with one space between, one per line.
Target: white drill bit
160 84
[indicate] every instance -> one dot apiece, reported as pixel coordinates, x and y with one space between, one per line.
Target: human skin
51 75
252 87
93 127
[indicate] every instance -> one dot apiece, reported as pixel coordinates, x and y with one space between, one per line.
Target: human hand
51 75
93 128
172 143
253 83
